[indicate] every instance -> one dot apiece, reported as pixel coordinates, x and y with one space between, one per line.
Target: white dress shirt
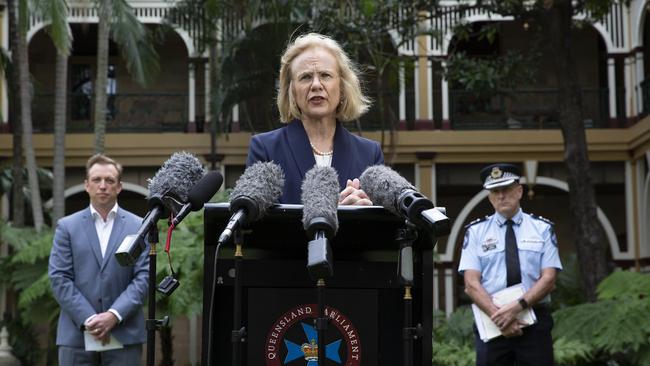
104 229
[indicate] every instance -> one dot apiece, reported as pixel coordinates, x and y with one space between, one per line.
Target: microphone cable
212 292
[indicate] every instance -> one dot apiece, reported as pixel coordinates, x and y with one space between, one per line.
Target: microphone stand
319 266
405 238
151 310
238 335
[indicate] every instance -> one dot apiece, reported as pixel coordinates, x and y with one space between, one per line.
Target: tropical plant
19 10
25 272
186 257
453 338
117 19
56 12
615 328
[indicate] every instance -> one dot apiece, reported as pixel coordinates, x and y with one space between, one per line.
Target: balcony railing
522 109
125 112
527 109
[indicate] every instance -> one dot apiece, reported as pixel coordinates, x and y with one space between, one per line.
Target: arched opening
515 86
160 106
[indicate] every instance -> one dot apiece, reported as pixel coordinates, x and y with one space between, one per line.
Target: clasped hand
506 319
100 326
354 195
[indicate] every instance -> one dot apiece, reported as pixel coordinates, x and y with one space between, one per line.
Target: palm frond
135 43
56 12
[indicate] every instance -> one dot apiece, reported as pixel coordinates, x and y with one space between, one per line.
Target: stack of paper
92 344
487 330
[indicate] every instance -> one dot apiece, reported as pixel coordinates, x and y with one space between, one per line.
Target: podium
364 298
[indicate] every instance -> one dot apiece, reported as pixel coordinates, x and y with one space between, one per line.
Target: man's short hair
104 160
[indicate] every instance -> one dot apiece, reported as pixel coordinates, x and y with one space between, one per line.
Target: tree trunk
22 66
101 74
590 247
215 110
58 165
18 208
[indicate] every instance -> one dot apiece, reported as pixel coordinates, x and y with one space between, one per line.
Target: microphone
320 195
201 193
387 188
168 190
255 191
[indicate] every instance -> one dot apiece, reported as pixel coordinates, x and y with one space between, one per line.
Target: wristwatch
523 303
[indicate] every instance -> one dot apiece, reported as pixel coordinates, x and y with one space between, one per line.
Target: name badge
489 244
532 241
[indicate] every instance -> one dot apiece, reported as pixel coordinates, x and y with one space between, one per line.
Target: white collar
111 214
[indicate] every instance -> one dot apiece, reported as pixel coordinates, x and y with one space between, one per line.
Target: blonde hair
104 160
353 102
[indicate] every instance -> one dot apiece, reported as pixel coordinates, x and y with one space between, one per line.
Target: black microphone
168 190
387 188
320 196
201 193
255 191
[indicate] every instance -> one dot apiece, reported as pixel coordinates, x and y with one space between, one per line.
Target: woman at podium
319 90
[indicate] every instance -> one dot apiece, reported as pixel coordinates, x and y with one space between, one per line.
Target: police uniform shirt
484 249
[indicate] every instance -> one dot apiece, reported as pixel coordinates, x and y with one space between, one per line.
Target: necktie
512 256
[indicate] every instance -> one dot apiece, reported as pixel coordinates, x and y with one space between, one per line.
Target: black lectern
364 300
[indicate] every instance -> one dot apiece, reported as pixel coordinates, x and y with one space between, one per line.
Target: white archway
126 186
448 256
485 17
185 37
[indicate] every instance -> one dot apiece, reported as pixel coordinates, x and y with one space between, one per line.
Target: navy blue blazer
289 147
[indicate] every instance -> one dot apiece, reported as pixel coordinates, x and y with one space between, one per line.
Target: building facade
444 135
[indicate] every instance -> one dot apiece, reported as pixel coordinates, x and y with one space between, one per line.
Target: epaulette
542 219
480 219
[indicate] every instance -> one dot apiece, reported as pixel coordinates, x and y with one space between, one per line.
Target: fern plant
453 339
25 272
616 327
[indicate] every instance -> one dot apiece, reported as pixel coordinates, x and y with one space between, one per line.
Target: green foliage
56 12
187 260
26 271
568 285
453 339
616 326
486 75
571 352
135 43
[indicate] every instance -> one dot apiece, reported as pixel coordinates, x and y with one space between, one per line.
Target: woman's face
316 85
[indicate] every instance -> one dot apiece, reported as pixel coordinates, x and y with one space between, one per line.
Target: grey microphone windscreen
260 186
383 186
320 196
177 176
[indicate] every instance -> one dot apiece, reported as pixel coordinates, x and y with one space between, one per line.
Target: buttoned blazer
289 147
84 283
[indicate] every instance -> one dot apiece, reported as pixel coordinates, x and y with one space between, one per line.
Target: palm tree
56 11
18 210
118 21
22 66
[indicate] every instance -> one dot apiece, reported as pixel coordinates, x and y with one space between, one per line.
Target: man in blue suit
96 294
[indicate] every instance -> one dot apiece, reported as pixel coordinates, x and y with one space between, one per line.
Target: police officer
504 249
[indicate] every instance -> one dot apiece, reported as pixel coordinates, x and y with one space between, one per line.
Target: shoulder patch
542 219
474 222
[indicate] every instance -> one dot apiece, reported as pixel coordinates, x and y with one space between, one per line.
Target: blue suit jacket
84 283
289 147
